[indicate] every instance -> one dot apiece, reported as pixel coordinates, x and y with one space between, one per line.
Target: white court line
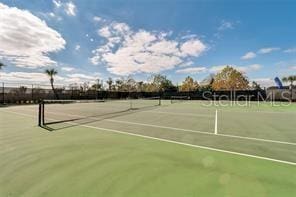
156 126
180 129
176 142
263 112
177 114
201 132
216 122
267 112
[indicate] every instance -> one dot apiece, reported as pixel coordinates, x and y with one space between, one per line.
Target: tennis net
83 111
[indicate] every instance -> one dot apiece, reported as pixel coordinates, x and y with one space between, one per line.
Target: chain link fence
17 93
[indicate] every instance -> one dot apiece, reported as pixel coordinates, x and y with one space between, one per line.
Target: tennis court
148 148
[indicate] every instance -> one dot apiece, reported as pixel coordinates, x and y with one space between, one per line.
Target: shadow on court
55 125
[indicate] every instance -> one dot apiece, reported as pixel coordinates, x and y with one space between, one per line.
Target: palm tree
290 79
1 65
51 73
110 83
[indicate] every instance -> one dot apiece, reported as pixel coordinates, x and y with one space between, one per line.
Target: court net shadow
56 125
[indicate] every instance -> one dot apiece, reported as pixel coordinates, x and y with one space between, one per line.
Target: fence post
42 110
96 90
32 91
71 92
3 93
39 115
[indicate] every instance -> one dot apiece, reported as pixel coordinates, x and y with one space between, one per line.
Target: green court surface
185 149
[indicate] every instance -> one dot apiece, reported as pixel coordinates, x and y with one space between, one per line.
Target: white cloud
189 36
67 7
104 32
25 40
77 47
186 64
225 25
249 55
23 77
68 69
70 8
249 68
291 50
255 67
128 52
164 47
97 19
193 47
293 67
215 69
268 50
245 69
192 70
51 14
83 76
57 3
41 78
264 82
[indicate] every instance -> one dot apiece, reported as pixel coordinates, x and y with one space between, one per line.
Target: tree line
228 78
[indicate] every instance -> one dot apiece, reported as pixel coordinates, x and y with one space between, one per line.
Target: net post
39 114
42 109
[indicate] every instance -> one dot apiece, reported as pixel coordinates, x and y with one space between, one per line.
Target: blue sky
86 40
